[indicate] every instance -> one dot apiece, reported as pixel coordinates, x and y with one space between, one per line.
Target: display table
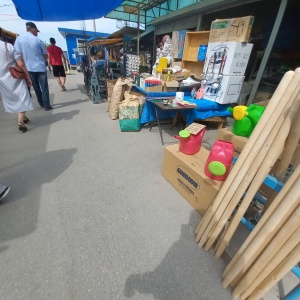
177 110
206 110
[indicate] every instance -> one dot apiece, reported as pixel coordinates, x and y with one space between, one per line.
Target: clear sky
10 20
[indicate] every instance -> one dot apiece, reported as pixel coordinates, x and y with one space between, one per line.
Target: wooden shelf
196 68
193 40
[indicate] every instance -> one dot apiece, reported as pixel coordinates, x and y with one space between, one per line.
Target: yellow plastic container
163 64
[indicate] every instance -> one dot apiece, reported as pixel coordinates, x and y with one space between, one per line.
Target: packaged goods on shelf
132 64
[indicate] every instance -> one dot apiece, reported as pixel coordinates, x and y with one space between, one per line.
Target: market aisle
89 215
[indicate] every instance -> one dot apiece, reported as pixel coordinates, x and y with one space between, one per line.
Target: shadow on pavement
180 275
19 211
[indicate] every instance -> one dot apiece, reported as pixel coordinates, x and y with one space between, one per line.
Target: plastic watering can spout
239 112
179 138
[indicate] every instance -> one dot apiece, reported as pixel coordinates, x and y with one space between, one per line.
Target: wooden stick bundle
252 149
239 190
290 231
270 227
271 157
279 272
256 183
277 258
270 110
289 150
239 255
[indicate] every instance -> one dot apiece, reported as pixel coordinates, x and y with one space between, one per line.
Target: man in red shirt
57 60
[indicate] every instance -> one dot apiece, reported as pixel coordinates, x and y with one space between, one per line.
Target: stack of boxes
226 60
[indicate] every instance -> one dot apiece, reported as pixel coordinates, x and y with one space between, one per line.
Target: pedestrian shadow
70 90
186 272
20 208
49 119
69 103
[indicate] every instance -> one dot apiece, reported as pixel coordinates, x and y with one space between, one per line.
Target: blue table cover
206 108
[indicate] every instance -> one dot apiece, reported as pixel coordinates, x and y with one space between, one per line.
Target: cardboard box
263 103
176 76
178 38
238 142
176 64
186 174
262 96
227 91
231 30
156 88
231 57
170 86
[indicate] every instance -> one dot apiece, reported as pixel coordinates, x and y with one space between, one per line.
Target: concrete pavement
89 215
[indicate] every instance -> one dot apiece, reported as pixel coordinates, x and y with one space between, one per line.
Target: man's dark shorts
59 71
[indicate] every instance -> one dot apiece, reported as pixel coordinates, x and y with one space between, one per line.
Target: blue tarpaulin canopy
64 10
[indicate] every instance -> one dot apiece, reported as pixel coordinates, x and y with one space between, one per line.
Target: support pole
199 24
138 32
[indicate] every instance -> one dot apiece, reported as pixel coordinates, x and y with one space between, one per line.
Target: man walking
57 60
35 57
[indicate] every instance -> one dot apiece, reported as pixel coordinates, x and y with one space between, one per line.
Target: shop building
75 40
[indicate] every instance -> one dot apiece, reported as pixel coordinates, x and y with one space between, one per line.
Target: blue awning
64 10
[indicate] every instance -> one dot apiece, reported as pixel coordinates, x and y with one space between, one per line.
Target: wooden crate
193 40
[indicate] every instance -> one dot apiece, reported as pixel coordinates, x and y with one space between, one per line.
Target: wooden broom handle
263 233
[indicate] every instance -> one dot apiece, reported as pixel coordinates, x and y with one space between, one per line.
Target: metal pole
268 50
199 24
138 32
94 25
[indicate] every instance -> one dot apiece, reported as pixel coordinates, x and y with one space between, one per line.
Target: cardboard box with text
176 76
231 30
186 174
170 86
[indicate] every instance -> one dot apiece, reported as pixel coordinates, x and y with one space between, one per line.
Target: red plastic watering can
219 160
191 144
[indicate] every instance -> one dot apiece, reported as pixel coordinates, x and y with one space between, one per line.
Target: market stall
207 81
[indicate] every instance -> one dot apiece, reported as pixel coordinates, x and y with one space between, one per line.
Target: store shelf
196 67
193 40
192 60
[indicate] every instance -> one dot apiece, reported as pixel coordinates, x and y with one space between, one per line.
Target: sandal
22 127
26 120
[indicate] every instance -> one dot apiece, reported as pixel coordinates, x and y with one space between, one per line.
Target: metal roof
128 10
150 9
200 7
125 30
66 31
106 41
